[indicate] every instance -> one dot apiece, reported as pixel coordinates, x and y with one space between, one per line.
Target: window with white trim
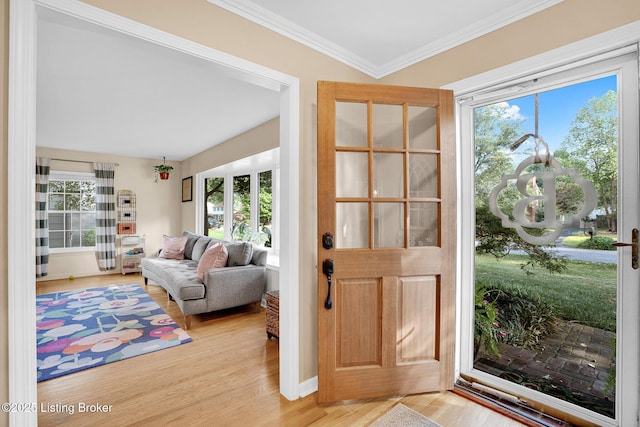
72 211
240 200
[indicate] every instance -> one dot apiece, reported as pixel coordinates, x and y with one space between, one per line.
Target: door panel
358 302
386 187
417 320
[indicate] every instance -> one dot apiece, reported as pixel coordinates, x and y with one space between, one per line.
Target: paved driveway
609 257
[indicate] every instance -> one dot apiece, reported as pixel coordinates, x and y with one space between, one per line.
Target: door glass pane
545 269
423 128
388 225
423 175
352 225
423 220
351 124
352 174
388 170
387 126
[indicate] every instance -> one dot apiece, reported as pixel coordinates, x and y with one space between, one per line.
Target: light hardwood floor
227 376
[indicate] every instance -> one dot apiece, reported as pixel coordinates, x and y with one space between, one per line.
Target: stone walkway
572 364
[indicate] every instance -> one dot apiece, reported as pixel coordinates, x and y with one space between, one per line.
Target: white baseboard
61 276
307 387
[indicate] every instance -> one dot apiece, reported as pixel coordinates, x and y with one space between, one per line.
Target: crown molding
601 45
464 35
264 17
250 10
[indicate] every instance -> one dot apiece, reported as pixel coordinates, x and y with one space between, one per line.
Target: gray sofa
241 282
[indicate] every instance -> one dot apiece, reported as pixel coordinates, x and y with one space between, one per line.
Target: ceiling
102 91
380 37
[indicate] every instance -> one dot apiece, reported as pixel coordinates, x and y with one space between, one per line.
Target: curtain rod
78 161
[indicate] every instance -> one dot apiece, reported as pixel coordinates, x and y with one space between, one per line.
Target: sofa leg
187 321
256 307
146 281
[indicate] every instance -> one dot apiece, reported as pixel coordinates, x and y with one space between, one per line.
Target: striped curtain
105 216
42 216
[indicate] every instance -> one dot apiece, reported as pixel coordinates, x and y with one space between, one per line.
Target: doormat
77 330
403 416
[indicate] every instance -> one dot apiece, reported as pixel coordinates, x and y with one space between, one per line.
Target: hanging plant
162 171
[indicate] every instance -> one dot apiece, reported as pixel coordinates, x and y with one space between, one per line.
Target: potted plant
163 170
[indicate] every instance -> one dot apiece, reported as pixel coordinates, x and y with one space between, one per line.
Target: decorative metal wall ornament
535 197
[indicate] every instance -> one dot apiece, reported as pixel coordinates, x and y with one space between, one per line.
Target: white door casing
21 161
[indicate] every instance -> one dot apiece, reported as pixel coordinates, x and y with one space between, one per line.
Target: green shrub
523 317
598 243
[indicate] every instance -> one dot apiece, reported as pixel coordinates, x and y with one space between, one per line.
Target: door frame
21 166
506 81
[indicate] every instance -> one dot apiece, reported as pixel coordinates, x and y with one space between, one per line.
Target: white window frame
585 60
252 166
69 176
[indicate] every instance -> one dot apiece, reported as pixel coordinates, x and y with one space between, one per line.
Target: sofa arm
234 286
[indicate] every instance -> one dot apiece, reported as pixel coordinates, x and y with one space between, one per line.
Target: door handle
327 269
634 248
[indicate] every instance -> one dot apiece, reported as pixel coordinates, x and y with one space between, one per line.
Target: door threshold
507 407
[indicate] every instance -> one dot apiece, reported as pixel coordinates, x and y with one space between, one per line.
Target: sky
557 109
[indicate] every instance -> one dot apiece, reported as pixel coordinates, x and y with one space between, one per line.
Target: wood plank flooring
228 376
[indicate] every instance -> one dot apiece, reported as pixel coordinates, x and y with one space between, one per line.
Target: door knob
634 247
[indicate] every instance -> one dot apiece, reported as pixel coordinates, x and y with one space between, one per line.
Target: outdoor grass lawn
216 233
585 292
577 239
574 241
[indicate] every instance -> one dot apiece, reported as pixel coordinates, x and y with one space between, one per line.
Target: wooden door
386 223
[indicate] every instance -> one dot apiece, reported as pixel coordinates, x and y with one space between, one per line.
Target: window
214 207
72 211
241 208
265 206
240 202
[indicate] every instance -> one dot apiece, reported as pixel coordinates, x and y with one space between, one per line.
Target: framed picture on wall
187 189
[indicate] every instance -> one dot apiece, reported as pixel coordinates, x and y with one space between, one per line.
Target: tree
214 193
495 131
592 149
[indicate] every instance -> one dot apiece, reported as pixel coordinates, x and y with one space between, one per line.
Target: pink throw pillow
173 247
214 257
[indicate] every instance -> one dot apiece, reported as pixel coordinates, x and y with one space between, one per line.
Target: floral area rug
77 330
